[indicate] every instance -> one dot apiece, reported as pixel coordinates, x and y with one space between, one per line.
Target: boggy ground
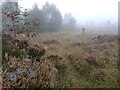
67 62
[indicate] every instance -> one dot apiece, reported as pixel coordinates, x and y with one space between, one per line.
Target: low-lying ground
89 64
74 63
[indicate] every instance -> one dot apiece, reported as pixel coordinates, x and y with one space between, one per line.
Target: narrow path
74 75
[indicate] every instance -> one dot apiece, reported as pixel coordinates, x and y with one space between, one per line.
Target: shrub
36 51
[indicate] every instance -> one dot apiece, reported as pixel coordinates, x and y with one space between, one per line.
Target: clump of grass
64 81
83 68
61 68
62 76
107 78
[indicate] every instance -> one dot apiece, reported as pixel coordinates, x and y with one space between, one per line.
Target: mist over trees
69 22
47 18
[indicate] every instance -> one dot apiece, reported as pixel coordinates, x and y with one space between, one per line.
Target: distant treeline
47 18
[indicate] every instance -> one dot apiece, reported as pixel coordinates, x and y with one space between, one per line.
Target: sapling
83 32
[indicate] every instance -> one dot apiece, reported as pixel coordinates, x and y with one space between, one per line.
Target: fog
85 11
59 44
102 14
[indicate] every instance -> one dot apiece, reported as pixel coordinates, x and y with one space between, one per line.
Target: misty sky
85 11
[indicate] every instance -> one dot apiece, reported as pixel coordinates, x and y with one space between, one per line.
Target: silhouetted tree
53 18
69 21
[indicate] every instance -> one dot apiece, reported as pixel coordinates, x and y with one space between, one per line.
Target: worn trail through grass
73 74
